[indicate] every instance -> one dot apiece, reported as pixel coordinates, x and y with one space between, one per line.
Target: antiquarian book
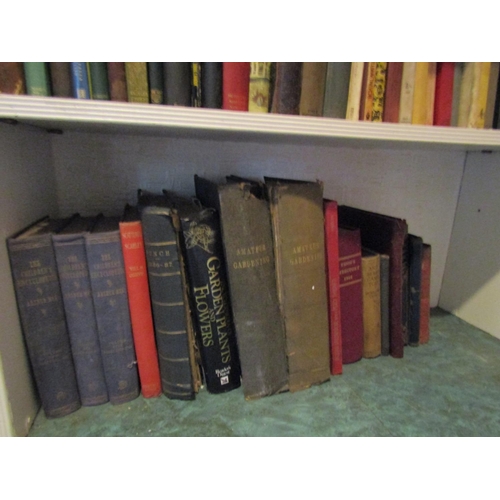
415 245
209 295
425 294
117 81
287 88
424 93
136 75
457 83
155 76
139 301
372 327
384 304
235 85
299 249
312 88
366 104
248 248
175 341
196 84
80 80
407 92
211 85
355 90
71 258
41 311
393 92
479 97
336 89
259 87
60 79
333 277
406 290
384 234
492 95
37 79
445 71
351 294
98 79
109 293
465 99
177 83
12 78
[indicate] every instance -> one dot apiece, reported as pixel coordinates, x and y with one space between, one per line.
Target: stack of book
263 284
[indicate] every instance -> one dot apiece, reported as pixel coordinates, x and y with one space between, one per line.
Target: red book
235 84
443 100
351 294
425 295
393 92
140 303
333 288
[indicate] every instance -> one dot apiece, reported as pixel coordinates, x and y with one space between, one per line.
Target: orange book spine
140 308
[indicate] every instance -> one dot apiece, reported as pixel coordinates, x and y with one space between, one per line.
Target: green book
336 89
99 88
37 78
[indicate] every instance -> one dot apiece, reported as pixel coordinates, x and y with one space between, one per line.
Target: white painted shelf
107 116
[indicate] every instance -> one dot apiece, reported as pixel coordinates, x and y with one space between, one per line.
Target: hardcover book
37 78
259 87
372 328
424 93
248 249
492 94
425 294
155 75
41 311
12 78
384 234
333 277
351 294
71 258
98 78
139 301
407 92
196 84
479 98
312 88
287 88
379 85
366 104
235 85
136 75
415 284
384 304
299 250
211 85
109 294
180 375
60 79
117 81
457 84
393 92
336 89
465 98
80 80
445 72
355 90
177 83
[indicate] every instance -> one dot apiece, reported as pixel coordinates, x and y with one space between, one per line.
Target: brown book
12 78
117 81
425 294
299 249
393 92
372 343
313 88
287 83
60 79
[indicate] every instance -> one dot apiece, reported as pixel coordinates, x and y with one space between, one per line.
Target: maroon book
384 234
287 88
117 81
393 92
351 294
235 83
443 99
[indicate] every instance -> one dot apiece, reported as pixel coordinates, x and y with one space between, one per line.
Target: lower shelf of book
448 387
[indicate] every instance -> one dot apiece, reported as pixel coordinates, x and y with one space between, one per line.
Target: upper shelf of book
115 117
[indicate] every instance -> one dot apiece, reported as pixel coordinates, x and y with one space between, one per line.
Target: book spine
139 300
37 78
379 85
136 75
384 304
41 312
479 97
117 81
421 94
492 94
336 89
431 93
155 75
287 88
235 85
393 92
196 85
80 317
177 83
80 80
211 85
168 303
259 87
425 294
457 82
372 341
60 79
355 89
312 88
444 93
210 302
12 78
465 98
109 294
407 92
415 284
332 261
98 77
365 112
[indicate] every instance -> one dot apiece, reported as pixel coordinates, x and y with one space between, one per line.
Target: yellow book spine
259 87
372 329
479 96
419 115
368 97
136 74
407 91
465 98
379 91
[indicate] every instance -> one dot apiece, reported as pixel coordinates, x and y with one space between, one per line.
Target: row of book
266 285
463 94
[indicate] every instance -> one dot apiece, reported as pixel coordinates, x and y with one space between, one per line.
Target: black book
41 312
248 249
155 78
206 272
109 294
177 83
211 85
180 376
415 248
71 257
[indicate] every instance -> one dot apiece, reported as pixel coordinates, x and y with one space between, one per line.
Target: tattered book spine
210 301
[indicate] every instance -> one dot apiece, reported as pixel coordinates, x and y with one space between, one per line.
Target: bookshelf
443 181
